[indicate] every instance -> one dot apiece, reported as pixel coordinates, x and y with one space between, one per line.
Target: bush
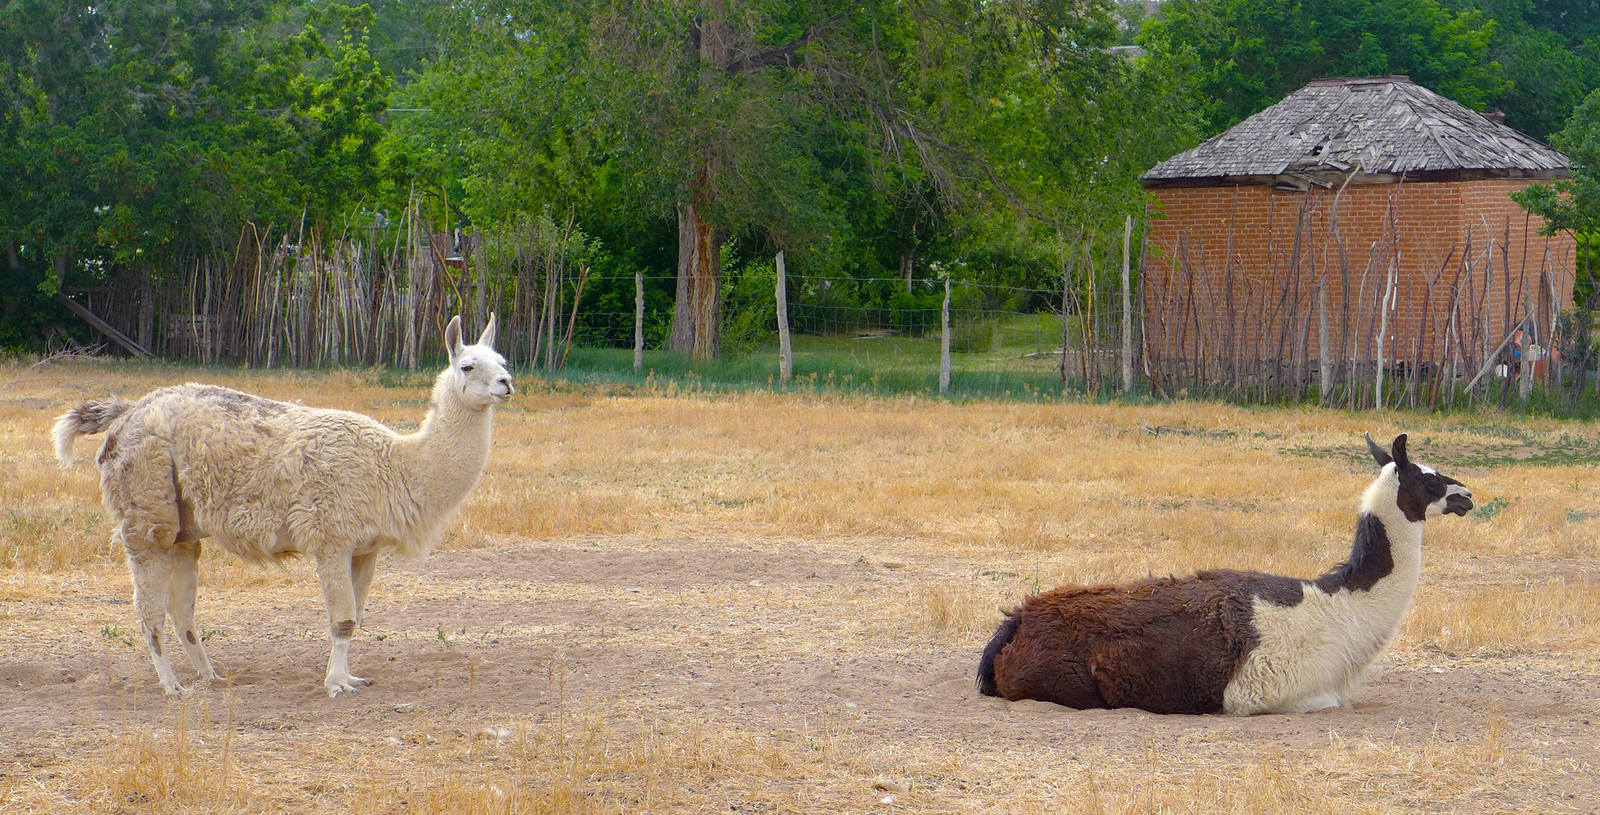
915 314
749 307
972 336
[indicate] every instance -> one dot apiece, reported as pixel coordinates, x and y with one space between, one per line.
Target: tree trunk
697 320
146 328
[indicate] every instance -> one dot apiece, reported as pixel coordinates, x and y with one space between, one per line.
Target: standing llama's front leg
338 591
180 604
152 565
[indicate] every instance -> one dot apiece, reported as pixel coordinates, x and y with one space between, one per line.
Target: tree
1550 55
106 133
738 108
136 135
1251 53
715 122
310 95
841 134
1573 205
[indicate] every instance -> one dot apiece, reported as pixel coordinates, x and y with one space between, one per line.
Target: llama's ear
452 337
1378 453
486 339
1399 448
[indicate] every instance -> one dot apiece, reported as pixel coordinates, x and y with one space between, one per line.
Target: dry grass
607 761
911 521
1551 615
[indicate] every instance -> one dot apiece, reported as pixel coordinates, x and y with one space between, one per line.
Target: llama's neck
1387 552
450 450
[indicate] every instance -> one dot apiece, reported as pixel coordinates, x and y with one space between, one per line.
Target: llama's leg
1321 701
152 568
1353 685
338 591
180 604
361 568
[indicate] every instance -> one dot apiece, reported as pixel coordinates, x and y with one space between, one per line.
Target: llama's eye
466 369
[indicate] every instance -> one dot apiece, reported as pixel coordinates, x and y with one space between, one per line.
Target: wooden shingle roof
1378 127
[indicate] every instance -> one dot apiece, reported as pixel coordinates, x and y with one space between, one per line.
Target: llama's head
1419 490
477 372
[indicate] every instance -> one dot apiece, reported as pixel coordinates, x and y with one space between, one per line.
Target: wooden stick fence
1216 329
1317 321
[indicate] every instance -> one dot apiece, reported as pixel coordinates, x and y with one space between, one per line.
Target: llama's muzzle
1457 504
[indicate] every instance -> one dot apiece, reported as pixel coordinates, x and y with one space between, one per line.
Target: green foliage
915 313
1549 52
1573 205
1251 53
307 146
749 308
995 143
135 136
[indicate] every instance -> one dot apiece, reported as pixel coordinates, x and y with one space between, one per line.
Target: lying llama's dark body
1229 641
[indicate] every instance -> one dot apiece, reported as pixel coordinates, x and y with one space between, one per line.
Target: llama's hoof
183 691
350 684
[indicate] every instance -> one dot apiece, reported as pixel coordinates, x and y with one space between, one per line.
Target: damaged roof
1384 126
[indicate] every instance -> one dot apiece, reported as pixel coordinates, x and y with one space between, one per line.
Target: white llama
267 479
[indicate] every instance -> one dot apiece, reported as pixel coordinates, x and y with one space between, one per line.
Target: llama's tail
90 417
1002 637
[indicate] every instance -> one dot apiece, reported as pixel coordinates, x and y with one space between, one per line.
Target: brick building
1371 216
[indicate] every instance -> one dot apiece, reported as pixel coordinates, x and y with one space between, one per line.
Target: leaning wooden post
781 296
944 341
638 321
1127 310
1491 359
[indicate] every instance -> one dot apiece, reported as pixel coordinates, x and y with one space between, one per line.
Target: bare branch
781 54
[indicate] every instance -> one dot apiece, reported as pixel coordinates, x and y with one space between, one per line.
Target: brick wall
1233 272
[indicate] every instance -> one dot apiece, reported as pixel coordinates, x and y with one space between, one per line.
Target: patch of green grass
35 525
386 377
111 632
1498 445
1490 508
1016 357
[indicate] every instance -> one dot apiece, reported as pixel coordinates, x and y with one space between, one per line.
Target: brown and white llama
268 479
1231 641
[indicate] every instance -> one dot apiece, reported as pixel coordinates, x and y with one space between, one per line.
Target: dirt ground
773 640
662 601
